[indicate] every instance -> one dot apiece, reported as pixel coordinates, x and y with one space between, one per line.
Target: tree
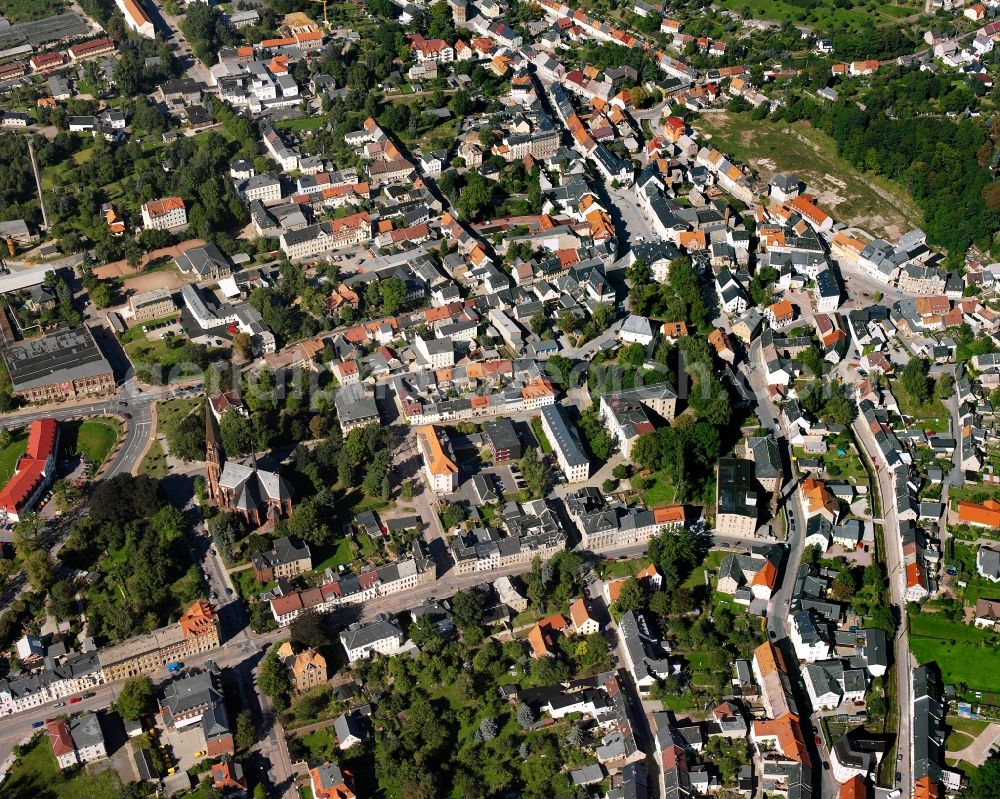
40 570
944 386
4 438
309 629
985 781
488 729
916 380
631 597
539 322
308 523
236 433
525 716
567 322
393 293
536 473
659 603
137 698
101 295
246 735
467 609
259 791
844 586
243 346
622 471
273 680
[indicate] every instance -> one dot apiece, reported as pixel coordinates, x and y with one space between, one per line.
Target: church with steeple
258 495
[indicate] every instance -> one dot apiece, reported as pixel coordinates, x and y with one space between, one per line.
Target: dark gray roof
62 356
566 438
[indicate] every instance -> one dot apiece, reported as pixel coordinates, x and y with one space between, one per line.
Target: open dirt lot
122 269
863 200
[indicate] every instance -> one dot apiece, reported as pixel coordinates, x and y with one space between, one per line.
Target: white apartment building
381 635
566 444
440 468
165 214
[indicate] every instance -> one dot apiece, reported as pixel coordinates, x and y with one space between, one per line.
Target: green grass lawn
298 125
341 555
825 13
540 437
697 577
972 727
957 741
36 775
866 200
964 653
910 407
661 492
171 412
977 587
92 438
320 744
247 585
136 333
28 10
10 454
154 462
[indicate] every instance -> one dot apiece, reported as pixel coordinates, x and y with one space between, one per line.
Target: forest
938 160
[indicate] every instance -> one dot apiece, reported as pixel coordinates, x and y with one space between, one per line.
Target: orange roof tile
986 513
769 659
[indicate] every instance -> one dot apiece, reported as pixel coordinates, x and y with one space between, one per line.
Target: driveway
977 752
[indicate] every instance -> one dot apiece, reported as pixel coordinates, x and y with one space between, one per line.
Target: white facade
164 214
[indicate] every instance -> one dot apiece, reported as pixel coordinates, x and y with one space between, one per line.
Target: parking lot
182 745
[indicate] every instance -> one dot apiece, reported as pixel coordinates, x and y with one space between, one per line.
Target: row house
603 525
325 236
340 590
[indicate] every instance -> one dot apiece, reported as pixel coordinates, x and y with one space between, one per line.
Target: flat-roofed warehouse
63 364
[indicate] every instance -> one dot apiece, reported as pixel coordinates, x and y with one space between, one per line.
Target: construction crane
325 20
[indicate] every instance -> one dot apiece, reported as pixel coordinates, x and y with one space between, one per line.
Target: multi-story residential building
263 188
287 558
382 635
195 632
736 498
325 236
625 416
440 468
330 781
431 49
164 214
76 740
306 667
287 157
187 698
437 353
501 437
566 444
809 642
829 684
350 589
524 532
153 304
61 365
771 674
604 525
136 18
34 470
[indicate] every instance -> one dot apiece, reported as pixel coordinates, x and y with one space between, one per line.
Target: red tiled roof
31 465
